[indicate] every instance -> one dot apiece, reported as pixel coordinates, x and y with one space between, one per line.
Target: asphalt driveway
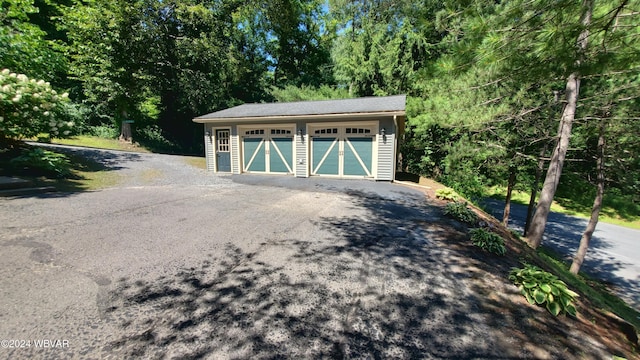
178 263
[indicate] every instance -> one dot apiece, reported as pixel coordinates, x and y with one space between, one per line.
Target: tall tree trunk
551 180
597 205
534 189
572 93
507 201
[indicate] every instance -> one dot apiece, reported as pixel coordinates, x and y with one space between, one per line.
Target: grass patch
617 209
86 175
149 175
594 290
198 162
97 180
101 143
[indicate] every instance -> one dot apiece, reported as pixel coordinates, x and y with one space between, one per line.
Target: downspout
395 147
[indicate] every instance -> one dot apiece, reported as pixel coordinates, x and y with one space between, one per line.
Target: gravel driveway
178 263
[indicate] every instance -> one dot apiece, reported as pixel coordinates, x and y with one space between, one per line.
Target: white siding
235 154
209 153
386 157
301 156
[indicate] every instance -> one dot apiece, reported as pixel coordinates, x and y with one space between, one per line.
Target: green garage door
342 151
325 156
281 155
267 150
254 154
358 156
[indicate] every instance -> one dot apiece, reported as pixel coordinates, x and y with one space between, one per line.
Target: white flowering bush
30 107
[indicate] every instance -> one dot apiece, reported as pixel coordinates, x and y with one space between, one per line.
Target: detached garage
349 138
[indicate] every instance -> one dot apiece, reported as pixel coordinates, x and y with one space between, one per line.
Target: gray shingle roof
310 108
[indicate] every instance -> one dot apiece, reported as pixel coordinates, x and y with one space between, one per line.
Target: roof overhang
283 118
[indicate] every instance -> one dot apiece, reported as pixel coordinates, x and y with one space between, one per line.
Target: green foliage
470 185
488 241
598 293
150 107
104 131
23 44
447 194
422 149
451 122
38 159
295 35
169 61
381 48
104 58
540 287
515 233
575 194
30 107
77 114
459 211
305 93
151 137
498 87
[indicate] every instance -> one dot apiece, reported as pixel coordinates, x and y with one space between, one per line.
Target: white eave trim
279 118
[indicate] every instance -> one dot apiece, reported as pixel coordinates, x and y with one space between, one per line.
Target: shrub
104 131
447 194
30 107
488 241
459 211
540 287
49 161
151 137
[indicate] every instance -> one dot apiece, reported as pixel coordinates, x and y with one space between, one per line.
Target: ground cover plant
488 241
543 288
447 194
459 211
35 160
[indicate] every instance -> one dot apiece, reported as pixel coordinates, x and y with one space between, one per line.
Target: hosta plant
459 211
447 194
543 288
49 161
488 241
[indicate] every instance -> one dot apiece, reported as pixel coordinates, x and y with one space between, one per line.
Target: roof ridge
324 100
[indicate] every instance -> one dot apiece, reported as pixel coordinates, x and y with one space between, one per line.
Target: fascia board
202 120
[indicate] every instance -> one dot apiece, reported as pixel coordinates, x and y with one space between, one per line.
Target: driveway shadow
393 281
110 160
86 160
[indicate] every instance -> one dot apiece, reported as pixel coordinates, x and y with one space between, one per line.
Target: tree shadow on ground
83 163
396 281
100 159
